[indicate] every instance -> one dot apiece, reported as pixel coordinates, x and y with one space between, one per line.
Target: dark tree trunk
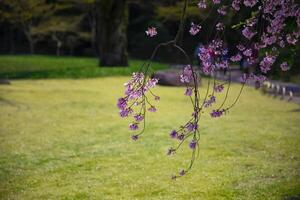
112 19
27 32
31 45
11 36
94 39
58 43
30 41
93 26
71 50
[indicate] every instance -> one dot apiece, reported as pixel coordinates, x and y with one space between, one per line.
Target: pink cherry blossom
194 29
151 31
284 66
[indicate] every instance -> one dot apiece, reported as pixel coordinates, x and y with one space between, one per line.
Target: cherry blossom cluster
264 30
260 79
189 131
213 57
194 29
263 34
209 102
267 31
217 113
135 103
219 88
184 132
151 32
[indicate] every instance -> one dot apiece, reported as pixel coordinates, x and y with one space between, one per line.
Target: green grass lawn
41 67
63 139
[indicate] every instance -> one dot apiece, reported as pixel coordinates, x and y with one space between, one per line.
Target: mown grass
63 139
41 67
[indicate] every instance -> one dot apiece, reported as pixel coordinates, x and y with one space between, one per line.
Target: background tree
68 27
86 8
24 14
64 32
89 8
112 19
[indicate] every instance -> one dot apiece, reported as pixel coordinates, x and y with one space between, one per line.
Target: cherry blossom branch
264 30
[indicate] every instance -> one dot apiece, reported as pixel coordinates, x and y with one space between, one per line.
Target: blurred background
114 31
63 64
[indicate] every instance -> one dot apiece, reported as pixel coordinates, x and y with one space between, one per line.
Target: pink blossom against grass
135 137
170 151
209 102
136 90
122 103
193 144
217 113
133 126
180 136
139 117
188 91
156 98
219 88
152 82
152 109
173 134
125 112
191 126
182 172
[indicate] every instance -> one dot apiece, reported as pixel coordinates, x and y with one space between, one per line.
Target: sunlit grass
63 139
41 67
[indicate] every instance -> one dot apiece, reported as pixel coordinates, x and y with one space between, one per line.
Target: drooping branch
214 57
